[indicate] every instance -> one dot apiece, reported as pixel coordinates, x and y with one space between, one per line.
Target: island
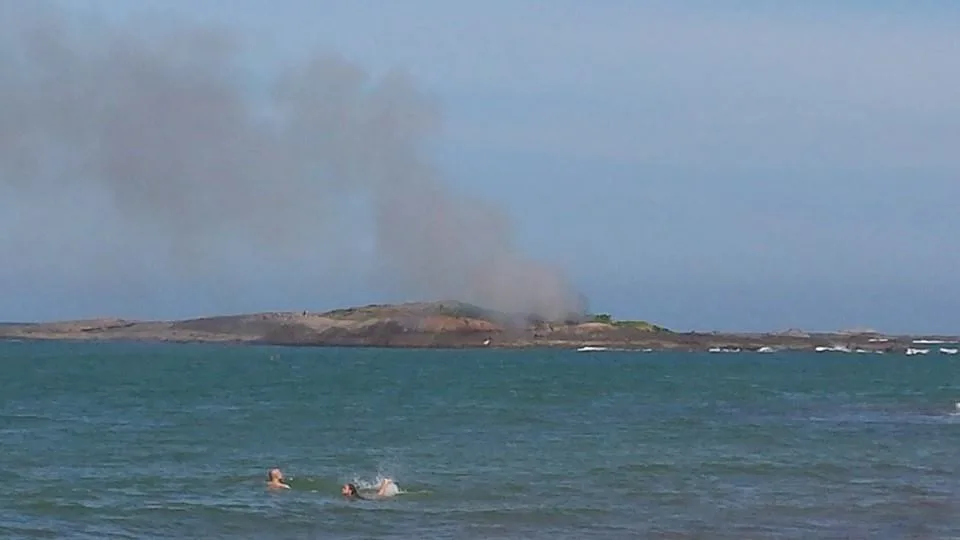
462 325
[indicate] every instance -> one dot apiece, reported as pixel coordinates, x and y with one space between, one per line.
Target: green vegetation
471 311
449 308
465 310
641 325
606 318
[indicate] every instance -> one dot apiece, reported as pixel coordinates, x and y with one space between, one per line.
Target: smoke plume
188 146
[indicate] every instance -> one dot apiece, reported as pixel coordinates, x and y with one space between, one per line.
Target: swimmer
275 480
350 491
386 488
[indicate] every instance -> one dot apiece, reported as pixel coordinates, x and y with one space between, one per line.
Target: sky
704 165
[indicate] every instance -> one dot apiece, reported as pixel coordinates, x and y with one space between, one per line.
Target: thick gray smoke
187 146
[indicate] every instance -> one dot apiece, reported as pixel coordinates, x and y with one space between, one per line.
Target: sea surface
174 441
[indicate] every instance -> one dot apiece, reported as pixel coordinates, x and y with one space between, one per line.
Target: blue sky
705 165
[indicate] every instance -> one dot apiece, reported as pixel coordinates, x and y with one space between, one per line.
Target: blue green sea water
174 441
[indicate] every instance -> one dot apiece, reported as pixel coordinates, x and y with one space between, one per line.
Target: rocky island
457 325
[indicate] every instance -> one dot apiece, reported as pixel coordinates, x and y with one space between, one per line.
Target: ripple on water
160 441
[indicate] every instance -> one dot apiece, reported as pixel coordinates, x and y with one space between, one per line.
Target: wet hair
354 492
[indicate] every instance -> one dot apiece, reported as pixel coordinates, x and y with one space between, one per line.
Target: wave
875 417
366 485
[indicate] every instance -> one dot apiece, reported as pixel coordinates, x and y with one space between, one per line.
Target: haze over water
164 441
703 165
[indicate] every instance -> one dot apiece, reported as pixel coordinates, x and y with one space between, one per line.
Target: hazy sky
704 165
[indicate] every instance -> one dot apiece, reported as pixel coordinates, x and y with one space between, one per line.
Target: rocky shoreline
457 325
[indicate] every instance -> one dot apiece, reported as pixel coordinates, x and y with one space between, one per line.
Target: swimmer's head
349 490
274 475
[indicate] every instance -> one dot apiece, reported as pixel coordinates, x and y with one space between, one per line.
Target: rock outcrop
440 324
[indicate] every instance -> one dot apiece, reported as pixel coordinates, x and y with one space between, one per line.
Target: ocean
120 440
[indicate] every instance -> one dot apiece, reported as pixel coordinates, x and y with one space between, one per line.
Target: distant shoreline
454 325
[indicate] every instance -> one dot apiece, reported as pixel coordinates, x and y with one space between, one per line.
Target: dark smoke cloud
166 126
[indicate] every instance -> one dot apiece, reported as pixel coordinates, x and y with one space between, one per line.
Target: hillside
434 324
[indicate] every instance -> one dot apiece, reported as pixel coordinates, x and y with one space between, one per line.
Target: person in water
386 488
350 491
275 480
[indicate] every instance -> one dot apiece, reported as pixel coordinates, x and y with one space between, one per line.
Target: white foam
392 489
